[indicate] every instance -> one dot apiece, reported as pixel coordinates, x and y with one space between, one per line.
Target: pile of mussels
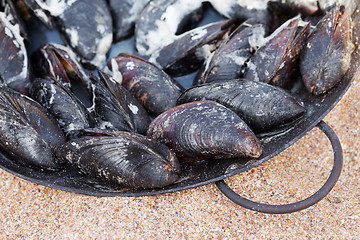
141 125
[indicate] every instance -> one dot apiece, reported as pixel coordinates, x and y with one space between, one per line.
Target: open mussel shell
127 159
204 129
28 131
327 55
151 86
263 107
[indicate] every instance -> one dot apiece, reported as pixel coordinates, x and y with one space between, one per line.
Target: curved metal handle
297 206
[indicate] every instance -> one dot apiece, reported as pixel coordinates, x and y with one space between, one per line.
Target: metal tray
192 174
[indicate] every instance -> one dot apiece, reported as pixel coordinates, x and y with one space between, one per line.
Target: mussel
328 5
290 8
188 51
263 107
59 63
159 23
229 60
116 108
15 70
125 13
139 115
327 54
69 112
204 129
276 61
241 10
34 7
11 8
28 131
122 158
85 24
151 86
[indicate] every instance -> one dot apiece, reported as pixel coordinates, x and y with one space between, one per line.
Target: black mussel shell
28 131
86 25
262 106
12 8
128 159
112 113
229 60
289 8
204 129
289 70
241 10
69 112
114 94
276 61
151 86
159 22
90 37
188 51
59 63
124 14
15 71
327 54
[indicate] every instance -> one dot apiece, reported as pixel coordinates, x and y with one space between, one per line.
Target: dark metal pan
204 172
